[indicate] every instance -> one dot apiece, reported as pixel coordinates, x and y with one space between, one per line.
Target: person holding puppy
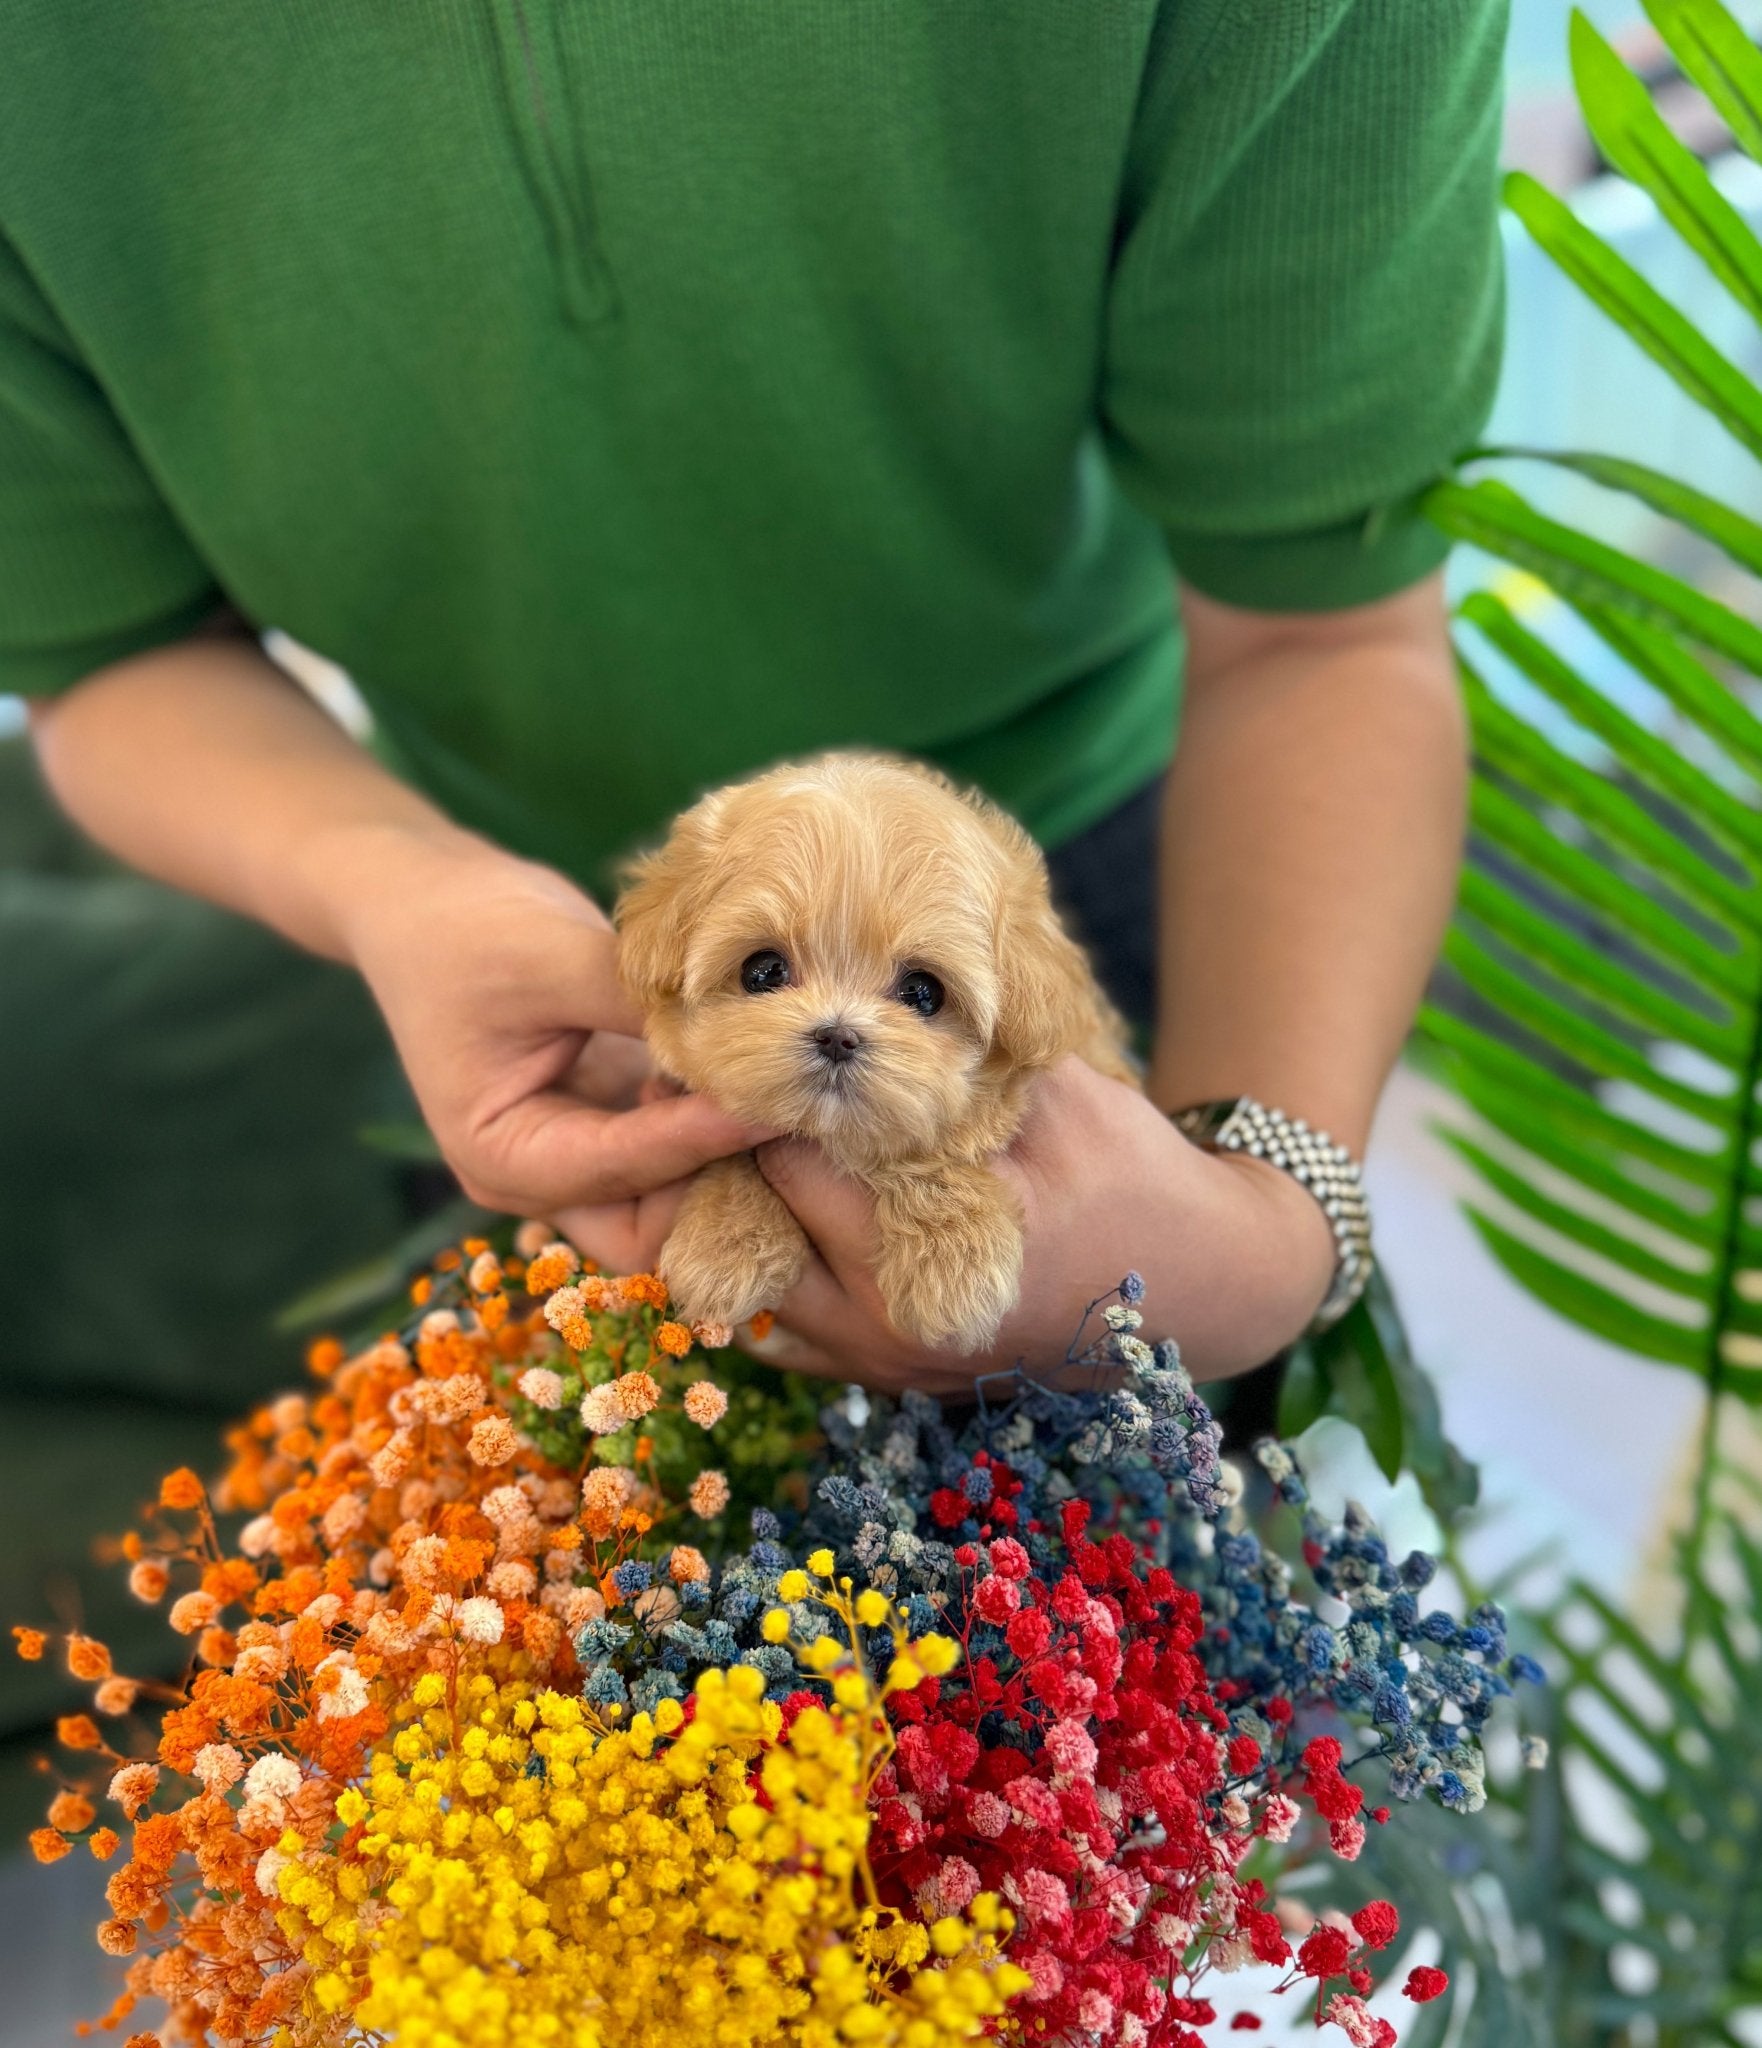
630 398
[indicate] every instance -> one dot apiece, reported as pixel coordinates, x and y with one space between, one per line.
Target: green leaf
1504 742
1634 137
1592 1307
1593 1165
1646 756
1669 337
1303 1391
379 1282
1728 529
1626 1253
1583 570
1716 52
1572 1108
1598 887
412 1141
1589 1044
1684 682
1362 1389
1559 951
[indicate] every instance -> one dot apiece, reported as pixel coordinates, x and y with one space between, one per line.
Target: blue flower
1527 1669
1132 1289
633 1576
1318 1647
604 1687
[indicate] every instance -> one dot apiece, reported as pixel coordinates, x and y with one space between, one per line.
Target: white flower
217 1767
479 1620
273 1777
542 1387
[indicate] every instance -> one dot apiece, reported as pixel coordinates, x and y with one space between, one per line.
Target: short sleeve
1306 308
93 565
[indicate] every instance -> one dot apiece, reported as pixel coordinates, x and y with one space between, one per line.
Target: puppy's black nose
837 1043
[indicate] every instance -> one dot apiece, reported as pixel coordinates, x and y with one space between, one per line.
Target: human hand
499 981
1235 1255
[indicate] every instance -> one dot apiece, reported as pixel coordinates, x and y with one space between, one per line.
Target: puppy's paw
949 1267
735 1248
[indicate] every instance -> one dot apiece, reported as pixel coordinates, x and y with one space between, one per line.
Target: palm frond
1601 1013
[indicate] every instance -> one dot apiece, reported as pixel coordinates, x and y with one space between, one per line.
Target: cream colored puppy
850 949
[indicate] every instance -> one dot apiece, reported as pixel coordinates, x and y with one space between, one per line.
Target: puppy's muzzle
835 1042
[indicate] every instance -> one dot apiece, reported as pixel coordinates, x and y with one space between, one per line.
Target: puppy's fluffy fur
877 885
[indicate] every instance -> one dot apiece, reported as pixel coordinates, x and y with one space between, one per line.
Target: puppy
853 950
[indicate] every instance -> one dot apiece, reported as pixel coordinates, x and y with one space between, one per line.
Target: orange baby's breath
762 1325
323 1357
409 1521
180 1489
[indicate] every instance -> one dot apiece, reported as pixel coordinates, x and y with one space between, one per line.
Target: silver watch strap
1240 1124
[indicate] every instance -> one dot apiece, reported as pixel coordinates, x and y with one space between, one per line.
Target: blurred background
197 1266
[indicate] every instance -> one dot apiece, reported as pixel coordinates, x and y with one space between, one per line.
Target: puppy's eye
921 992
761 972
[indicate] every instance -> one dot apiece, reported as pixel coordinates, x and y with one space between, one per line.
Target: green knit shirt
629 392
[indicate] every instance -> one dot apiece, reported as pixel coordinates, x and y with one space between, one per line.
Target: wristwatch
1238 1123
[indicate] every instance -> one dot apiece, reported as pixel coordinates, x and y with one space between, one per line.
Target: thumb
837 1212
588 983
551 1150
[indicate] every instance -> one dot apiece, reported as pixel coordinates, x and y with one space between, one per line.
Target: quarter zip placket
536 81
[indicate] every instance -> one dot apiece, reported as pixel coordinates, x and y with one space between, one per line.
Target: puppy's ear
1048 1003
663 895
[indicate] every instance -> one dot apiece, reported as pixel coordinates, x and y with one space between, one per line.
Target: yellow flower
793 1586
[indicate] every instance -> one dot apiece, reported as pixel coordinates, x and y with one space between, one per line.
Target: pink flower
988 1814
542 1387
686 1566
709 1494
1071 1750
193 1613
218 1767
637 1394
995 1599
1355 2020
492 1441
1346 1837
705 1403
957 1884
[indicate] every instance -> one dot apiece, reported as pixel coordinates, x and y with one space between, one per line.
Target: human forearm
203 765
1311 836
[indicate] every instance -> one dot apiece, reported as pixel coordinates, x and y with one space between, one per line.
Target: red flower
1378 1923
950 1509
1244 1755
1245 2023
1324 1952
1424 1984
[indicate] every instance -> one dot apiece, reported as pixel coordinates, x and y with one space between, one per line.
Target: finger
837 1213
588 981
550 1150
625 1237
782 1348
